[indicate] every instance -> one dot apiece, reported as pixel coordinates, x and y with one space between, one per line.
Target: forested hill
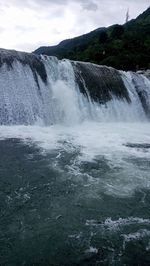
124 47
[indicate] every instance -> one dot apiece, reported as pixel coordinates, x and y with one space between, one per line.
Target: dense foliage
124 47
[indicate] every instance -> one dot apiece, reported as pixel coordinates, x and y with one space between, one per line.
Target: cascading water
70 92
77 194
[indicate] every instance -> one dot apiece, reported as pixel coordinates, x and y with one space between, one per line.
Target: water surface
75 195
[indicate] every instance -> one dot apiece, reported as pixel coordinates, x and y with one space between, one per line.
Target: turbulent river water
74 164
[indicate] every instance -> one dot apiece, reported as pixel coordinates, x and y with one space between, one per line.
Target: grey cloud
63 2
107 6
2 29
24 29
89 5
27 46
86 4
100 13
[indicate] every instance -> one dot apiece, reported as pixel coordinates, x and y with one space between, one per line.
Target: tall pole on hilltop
127 15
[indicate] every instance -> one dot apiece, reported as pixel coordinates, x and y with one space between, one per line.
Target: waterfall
44 90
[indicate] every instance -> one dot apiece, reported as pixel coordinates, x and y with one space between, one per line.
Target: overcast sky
27 24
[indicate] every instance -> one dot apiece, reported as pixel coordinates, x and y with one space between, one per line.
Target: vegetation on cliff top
124 47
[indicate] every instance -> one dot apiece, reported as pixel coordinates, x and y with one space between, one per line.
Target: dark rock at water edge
142 93
101 82
8 57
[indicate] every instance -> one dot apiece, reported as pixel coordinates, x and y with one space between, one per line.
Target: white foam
94 141
117 225
136 236
91 250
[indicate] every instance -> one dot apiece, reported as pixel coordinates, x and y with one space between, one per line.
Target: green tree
117 32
